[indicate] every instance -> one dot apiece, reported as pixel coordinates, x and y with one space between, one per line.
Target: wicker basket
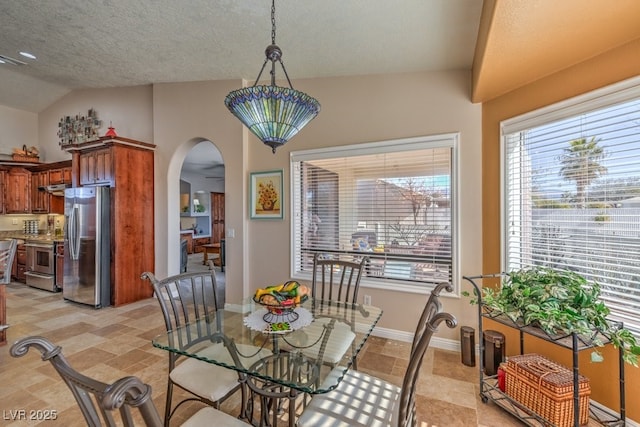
26 159
546 388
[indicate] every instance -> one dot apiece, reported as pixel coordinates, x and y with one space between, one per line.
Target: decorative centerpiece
281 300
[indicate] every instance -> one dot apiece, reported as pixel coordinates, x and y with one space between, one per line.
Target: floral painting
266 195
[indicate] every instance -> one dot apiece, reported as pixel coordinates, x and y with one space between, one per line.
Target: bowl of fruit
282 299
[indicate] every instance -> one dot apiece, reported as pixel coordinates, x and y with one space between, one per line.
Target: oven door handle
74 244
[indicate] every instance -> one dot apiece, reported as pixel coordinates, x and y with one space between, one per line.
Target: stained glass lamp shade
273 113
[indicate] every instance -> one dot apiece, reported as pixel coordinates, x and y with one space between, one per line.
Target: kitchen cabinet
59 255
60 176
2 192
39 197
17 191
96 167
20 264
127 166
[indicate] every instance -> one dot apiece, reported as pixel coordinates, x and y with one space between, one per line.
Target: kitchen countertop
30 237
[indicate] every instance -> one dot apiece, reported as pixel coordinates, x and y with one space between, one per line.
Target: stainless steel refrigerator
87 259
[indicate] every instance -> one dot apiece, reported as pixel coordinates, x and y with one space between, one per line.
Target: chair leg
167 408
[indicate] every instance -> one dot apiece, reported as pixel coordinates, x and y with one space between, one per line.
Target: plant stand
489 389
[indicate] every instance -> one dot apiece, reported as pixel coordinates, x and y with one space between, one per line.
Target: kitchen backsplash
16 223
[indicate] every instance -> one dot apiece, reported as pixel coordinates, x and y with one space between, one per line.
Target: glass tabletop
307 348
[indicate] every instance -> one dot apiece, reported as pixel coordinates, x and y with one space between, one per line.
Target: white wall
18 128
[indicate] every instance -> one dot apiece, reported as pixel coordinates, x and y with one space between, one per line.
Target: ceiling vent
8 60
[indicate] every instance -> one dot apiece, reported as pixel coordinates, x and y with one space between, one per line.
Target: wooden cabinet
189 238
20 264
59 255
60 176
198 242
217 217
39 197
96 167
126 165
2 191
17 191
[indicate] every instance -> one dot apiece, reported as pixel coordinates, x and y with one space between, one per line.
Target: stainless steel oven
40 268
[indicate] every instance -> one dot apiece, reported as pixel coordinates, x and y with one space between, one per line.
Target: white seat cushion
207 417
212 381
359 400
339 340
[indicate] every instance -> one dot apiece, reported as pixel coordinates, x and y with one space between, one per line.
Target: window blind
392 202
572 195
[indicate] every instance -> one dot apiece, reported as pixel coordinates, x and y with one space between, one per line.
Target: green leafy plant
558 302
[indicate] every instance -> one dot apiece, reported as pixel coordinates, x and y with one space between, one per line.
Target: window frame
446 140
618 93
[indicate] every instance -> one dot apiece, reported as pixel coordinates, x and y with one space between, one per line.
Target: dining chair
7 255
333 280
186 298
121 403
364 400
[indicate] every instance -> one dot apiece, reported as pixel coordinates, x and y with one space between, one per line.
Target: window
392 201
572 193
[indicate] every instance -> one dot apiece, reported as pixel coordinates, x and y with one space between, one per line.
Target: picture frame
266 195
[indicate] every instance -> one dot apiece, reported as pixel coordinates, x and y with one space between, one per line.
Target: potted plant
560 303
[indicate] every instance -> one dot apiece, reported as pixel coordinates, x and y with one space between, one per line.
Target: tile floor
114 342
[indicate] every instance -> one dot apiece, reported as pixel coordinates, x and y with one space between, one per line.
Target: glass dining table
279 354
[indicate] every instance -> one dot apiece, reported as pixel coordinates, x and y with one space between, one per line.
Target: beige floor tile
113 342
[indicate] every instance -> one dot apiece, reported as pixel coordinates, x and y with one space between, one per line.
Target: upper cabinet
17 191
96 167
60 176
39 197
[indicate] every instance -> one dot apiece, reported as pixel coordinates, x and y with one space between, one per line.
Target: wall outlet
231 232
367 300
14 221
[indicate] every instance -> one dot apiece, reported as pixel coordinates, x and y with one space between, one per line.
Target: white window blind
572 194
391 201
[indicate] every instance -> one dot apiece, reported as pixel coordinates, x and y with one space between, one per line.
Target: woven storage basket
26 159
546 388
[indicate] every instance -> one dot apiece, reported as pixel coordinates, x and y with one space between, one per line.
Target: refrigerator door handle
73 233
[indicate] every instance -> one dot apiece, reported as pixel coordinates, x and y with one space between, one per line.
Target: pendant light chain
273 22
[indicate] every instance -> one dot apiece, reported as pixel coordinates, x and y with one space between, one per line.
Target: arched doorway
199 171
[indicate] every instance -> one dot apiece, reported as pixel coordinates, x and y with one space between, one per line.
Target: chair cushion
359 400
212 381
337 344
207 417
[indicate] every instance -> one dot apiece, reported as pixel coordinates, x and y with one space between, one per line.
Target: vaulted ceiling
109 43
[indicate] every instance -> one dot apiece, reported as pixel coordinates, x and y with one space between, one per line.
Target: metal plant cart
489 389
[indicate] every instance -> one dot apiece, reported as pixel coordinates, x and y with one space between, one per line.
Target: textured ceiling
110 43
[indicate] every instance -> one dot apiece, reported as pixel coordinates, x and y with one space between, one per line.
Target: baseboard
441 343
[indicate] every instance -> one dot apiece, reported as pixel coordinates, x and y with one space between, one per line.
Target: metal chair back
122 403
432 316
7 255
335 279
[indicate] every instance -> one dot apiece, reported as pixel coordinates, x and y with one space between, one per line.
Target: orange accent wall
611 67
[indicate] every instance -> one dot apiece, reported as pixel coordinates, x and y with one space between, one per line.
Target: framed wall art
266 194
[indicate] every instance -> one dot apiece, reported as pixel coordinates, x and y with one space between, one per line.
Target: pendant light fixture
273 113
